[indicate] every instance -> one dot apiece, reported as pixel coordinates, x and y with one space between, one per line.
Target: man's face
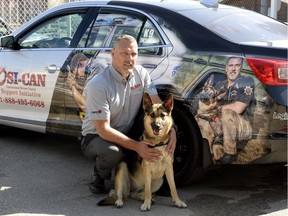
233 68
124 56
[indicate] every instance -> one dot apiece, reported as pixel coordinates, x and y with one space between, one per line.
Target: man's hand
172 142
148 154
71 80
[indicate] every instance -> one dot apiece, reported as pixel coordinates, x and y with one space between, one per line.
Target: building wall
256 6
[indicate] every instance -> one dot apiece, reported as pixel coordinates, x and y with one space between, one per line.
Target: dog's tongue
156 131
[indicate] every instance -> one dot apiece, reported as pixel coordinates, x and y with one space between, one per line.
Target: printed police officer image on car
226 67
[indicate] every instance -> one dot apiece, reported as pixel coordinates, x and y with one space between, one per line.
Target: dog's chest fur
158 168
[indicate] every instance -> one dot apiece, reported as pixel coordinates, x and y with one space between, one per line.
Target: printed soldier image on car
224 112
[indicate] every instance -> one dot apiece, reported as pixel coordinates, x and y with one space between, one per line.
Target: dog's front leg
122 183
170 178
147 185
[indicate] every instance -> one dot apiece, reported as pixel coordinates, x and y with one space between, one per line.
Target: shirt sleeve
149 86
96 101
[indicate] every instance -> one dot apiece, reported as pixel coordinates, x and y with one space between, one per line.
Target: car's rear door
99 37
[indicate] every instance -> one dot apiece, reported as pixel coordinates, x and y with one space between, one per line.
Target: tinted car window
105 29
150 40
240 26
54 33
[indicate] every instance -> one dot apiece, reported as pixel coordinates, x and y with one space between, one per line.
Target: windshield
240 26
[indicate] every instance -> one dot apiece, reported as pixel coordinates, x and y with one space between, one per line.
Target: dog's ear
169 102
209 81
147 102
221 93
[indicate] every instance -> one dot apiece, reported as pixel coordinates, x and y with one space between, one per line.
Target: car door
111 22
29 74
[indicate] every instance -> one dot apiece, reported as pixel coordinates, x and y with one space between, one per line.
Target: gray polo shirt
111 97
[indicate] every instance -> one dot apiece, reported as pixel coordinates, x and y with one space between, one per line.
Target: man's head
233 68
124 54
78 65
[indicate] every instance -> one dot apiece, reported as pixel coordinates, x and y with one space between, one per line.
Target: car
5 28
183 45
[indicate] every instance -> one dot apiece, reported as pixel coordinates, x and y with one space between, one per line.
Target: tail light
272 72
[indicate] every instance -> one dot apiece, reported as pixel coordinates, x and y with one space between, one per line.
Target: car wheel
188 152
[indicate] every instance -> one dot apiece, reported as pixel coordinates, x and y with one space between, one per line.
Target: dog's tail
107 201
110 200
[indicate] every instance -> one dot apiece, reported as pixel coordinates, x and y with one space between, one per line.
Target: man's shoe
227 158
97 185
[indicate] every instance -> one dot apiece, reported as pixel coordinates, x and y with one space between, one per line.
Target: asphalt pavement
43 175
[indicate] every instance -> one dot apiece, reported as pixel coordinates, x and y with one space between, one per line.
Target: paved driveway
48 175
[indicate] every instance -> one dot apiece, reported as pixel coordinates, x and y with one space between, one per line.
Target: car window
150 40
54 33
108 26
104 30
240 26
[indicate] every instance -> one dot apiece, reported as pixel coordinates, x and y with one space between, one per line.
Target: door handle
52 68
150 66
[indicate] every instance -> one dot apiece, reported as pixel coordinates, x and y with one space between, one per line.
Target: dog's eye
162 115
152 115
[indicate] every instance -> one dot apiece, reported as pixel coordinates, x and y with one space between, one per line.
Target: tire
188 152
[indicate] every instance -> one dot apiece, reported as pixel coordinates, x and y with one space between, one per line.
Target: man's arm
237 107
110 134
79 98
156 99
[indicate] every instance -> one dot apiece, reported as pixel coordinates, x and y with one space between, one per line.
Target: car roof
172 5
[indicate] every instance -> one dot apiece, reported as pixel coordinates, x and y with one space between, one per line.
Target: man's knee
111 157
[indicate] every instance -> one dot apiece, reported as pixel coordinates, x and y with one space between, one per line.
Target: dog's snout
156 125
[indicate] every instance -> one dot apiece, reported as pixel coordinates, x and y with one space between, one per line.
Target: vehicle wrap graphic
22 89
234 135
232 143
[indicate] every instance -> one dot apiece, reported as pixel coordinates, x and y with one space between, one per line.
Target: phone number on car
23 102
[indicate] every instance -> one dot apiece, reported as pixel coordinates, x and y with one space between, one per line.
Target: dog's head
209 95
157 117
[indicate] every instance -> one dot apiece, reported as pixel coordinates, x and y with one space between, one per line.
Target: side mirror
7 42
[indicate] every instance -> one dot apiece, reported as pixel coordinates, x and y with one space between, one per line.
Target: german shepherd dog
208 117
146 178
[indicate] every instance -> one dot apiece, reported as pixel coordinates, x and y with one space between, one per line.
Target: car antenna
210 3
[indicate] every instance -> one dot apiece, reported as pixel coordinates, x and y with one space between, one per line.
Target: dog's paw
146 206
217 151
180 204
119 203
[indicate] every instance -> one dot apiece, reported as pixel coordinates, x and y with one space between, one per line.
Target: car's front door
28 75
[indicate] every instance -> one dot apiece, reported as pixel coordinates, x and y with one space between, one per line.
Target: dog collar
160 144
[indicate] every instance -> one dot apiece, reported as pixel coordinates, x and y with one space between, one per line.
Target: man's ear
112 52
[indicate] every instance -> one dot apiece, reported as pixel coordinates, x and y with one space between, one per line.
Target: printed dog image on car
226 67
